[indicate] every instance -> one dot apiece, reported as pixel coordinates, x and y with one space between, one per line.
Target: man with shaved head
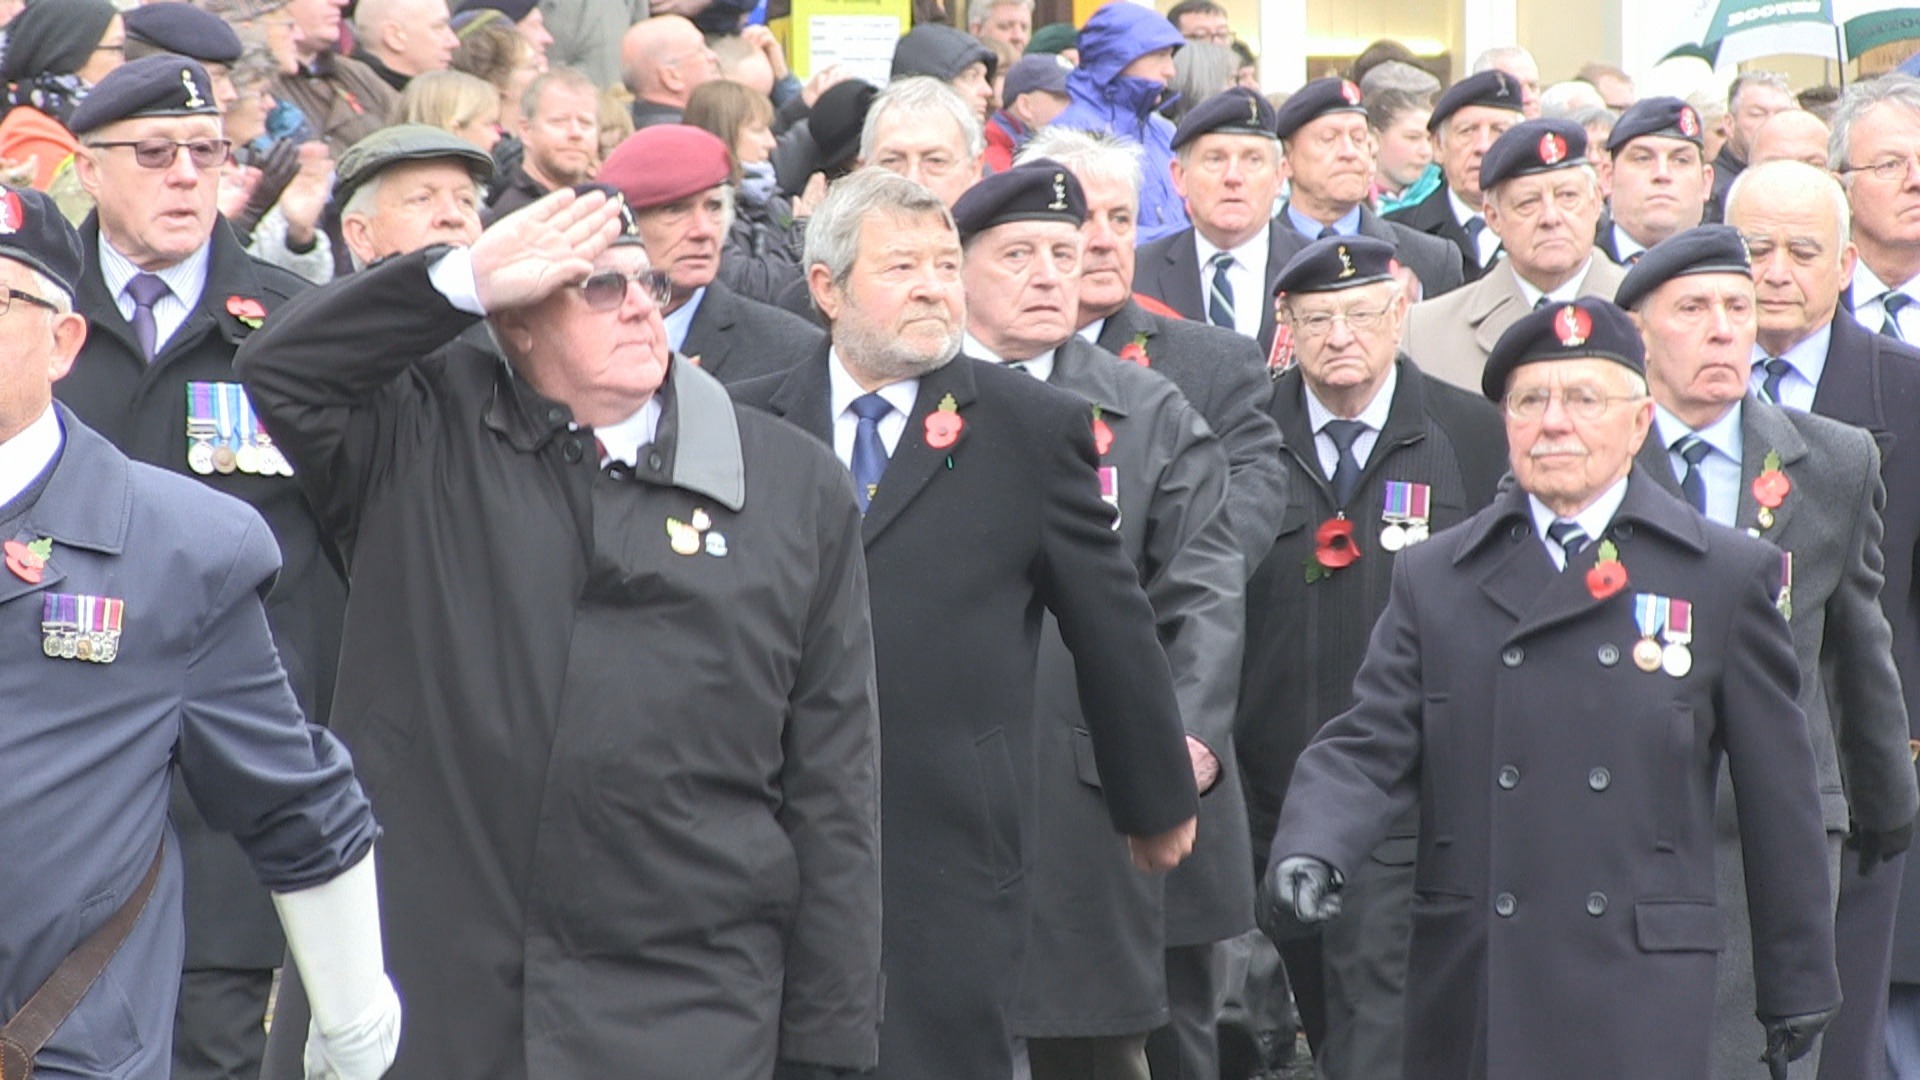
1794 135
403 38
662 60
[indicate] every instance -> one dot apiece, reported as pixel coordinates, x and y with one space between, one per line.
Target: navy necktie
1693 450
869 452
146 290
1776 370
1570 536
1327 233
1894 303
1220 298
1346 473
1544 301
1475 226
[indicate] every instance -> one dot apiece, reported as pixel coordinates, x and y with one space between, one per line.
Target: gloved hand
1299 893
277 166
361 1049
1877 847
1789 1039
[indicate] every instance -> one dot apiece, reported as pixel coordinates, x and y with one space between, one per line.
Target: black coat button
556 415
1509 777
571 451
654 461
1599 779
1513 656
1596 904
1504 905
1609 655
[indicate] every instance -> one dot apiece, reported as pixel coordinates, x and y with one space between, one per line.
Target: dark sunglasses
161 153
605 290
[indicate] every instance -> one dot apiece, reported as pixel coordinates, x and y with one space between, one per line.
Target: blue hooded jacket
1104 100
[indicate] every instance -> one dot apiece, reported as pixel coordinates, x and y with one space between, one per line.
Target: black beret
1493 88
514 10
1235 111
149 86
1703 249
1321 97
1590 328
1668 116
185 30
405 142
1338 262
1040 190
33 231
1535 146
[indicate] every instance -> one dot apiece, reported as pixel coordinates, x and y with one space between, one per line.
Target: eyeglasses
1887 171
8 296
1320 323
1218 37
161 153
1583 402
606 290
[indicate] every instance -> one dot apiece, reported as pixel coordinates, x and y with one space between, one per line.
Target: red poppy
25 562
1102 436
1334 546
1136 354
1770 488
247 310
943 428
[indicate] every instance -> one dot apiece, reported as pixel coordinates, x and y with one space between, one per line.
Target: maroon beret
666 163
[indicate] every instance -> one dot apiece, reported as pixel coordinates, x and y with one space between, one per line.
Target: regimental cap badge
12 214
1572 326
1253 111
1346 262
1553 149
1350 92
1689 122
1059 192
194 100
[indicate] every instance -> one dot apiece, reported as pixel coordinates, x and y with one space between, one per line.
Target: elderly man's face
37 348
1699 333
1660 186
902 309
1794 135
425 41
1106 258
1023 286
1464 139
1756 105
1800 259
1331 160
603 362
563 135
155 217
1345 340
1229 183
931 152
1886 210
1564 459
1011 23
318 24
684 237
1545 222
418 203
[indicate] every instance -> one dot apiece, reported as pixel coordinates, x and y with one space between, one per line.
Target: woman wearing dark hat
54 54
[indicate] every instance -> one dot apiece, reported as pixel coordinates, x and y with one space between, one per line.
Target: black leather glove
1789 1039
795 1070
1300 892
277 168
1877 847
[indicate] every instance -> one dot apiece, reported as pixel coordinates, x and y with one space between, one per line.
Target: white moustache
1543 449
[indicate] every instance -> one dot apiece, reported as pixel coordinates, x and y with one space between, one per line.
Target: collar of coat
1646 504
1088 371
1406 415
230 272
89 497
698 439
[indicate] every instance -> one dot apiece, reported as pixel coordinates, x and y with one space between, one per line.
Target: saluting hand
535 252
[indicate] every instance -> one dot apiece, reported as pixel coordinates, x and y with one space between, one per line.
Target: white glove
333 932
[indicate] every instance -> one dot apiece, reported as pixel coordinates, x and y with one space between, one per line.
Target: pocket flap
1680 926
1397 851
1083 764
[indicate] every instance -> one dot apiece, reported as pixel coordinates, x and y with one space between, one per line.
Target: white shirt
1247 275
842 390
186 280
624 439
25 456
1040 367
1867 291
681 320
1719 470
1806 362
1567 293
1487 243
1090 333
1593 520
1374 416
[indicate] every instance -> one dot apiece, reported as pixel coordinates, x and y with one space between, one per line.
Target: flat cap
149 86
1338 262
1040 190
1589 328
405 142
33 231
1053 39
184 30
1703 249
1234 111
1494 89
1035 71
1535 146
514 10
666 163
1321 97
1668 116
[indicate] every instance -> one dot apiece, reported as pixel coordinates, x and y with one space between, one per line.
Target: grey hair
1900 91
1492 57
1828 184
1401 76
361 202
1756 78
50 292
1201 69
1088 153
920 96
978 11
1563 99
833 235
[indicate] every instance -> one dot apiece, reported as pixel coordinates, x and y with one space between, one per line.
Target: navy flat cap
1235 111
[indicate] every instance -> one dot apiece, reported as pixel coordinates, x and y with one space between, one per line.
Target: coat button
1509 777
571 451
654 460
556 415
1504 904
1609 655
1599 779
1513 655
1596 904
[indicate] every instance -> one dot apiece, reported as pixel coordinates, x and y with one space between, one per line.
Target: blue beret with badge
1040 190
149 86
1493 89
33 232
1703 249
1667 116
1234 111
1338 262
1535 146
1321 97
1589 328
184 30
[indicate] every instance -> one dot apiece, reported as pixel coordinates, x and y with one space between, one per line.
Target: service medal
1110 491
1650 613
200 428
200 458
1677 658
